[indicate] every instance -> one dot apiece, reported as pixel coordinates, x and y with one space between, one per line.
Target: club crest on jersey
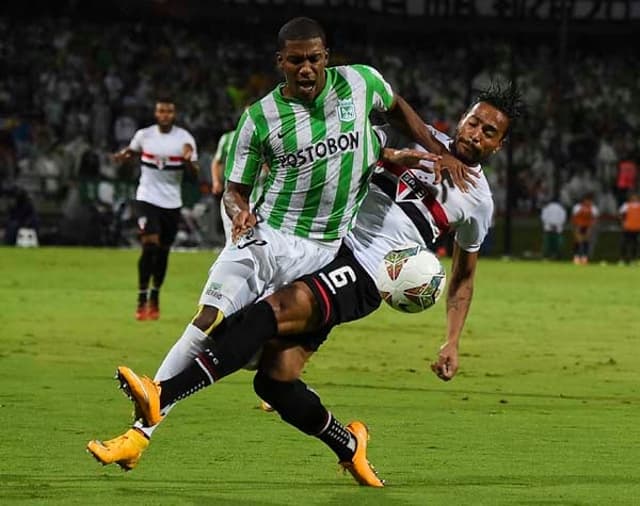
409 188
346 110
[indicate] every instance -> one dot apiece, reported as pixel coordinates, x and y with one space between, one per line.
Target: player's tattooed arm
236 204
459 298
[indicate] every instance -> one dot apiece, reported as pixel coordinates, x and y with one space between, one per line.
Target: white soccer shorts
260 263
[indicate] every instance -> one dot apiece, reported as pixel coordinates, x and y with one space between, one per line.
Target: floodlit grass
544 409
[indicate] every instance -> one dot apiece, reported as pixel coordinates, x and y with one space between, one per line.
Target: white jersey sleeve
136 141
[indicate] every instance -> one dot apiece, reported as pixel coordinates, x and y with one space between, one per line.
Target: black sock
154 296
339 439
229 349
145 265
300 406
198 375
142 297
160 265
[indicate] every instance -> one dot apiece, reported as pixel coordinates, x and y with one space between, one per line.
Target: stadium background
544 409
78 78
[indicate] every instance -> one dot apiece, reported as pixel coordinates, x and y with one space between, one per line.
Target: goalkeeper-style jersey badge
346 110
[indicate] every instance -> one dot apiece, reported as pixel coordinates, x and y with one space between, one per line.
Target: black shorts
157 220
344 292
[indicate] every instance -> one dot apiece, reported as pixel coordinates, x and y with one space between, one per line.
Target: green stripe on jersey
318 175
290 144
343 89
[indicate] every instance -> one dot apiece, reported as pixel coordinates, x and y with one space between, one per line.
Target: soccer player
315 135
165 151
584 216
304 312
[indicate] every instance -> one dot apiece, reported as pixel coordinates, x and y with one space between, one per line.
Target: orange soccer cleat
153 311
142 312
124 450
359 466
144 392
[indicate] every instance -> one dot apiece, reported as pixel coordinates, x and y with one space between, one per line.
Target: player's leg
290 311
341 291
278 382
149 234
168 224
238 277
232 282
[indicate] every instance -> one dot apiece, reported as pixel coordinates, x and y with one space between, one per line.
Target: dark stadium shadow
531 395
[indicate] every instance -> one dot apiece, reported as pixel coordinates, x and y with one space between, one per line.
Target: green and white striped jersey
222 151
320 154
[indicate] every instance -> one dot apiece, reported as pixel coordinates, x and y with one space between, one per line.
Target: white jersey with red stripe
161 164
405 207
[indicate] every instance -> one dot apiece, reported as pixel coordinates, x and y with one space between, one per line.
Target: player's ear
279 59
326 55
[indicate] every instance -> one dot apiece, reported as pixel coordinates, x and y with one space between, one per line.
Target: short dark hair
165 99
505 97
300 29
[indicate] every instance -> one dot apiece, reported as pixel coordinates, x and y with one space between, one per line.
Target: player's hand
187 151
446 366
411 158
461 175
122 156
242 222
217 188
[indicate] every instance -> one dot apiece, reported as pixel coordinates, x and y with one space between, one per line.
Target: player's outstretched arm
458 302
407 157
402 116
236 204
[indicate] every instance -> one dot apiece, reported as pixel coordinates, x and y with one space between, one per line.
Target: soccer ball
411 279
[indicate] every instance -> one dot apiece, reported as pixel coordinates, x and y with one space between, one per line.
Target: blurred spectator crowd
71 93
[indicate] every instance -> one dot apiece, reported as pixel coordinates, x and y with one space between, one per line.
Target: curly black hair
506 98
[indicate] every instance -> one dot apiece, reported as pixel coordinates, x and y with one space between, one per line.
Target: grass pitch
544 410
